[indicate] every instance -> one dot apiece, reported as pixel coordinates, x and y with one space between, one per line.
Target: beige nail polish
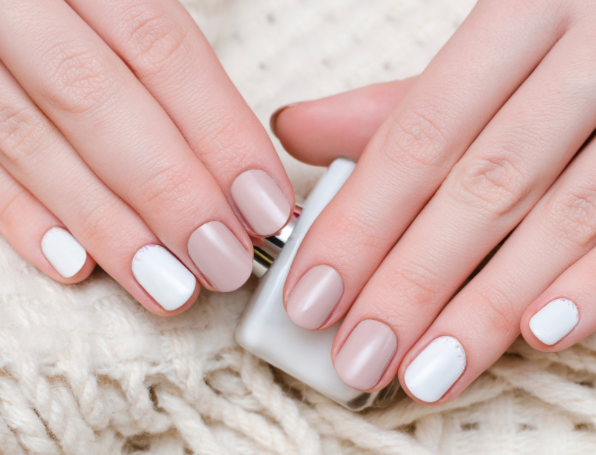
262 204
267 331
220 256
315 296
366 354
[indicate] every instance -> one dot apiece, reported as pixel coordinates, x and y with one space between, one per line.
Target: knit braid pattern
84 369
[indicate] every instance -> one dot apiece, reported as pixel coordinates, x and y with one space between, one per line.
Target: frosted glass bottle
266 330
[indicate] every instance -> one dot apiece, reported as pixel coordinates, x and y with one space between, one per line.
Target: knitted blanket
86 370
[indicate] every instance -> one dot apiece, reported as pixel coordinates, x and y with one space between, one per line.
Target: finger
42 160
316 132
565 313
125 137
38 236
164 47
412 152
485 316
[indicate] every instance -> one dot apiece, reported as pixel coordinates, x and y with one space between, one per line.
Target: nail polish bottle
266 330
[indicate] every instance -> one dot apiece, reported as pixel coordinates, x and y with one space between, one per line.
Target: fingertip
152 306
264 206
275 116
547 327
316 132
83 273
63 252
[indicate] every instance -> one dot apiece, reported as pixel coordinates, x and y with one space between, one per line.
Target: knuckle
152 38
80 80
496 309
413 283
416 139
20 132
224 142
348 237
166 189
11 210
571 213
494 183
97 223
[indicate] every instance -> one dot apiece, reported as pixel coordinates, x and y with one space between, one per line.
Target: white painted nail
553 322
436 369
163 276
61 250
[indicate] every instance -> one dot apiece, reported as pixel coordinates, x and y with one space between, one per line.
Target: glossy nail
315 296
163 276
366 354
220 256
61 250
436 369
553 322
261 202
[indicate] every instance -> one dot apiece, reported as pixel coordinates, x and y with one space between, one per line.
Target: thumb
316 132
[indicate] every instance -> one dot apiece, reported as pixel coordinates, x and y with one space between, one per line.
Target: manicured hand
485 141
123 142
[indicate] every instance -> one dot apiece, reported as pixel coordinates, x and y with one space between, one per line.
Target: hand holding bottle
484 142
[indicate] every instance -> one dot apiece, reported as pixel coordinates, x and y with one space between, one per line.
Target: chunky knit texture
86 370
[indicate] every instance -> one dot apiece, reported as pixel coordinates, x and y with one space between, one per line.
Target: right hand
492 145
118 125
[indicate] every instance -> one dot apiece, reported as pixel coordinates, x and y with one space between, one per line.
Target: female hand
481 144
119 126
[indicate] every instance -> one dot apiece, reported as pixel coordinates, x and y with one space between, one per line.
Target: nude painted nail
163 276
220 256
436 369
365 355
262 204
553 322
62 250
315 296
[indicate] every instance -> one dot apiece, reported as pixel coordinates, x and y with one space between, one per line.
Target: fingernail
220 257
261 202
315 296
436 369
365 355
553 322
61 250
275 116
163 276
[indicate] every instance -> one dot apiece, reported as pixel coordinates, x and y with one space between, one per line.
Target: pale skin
118 123
451 162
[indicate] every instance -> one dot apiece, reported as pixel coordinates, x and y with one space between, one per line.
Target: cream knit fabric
86 370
